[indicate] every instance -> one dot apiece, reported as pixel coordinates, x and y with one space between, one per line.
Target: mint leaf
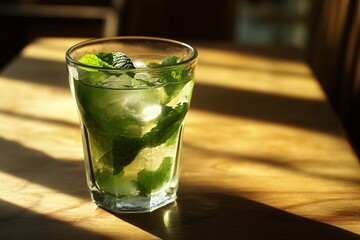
107 60
167 126
170 60
152 180
124 151
93 60
174 79
116 59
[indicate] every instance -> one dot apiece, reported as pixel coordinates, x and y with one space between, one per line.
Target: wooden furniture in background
334 55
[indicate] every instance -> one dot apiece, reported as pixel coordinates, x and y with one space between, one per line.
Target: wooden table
264 156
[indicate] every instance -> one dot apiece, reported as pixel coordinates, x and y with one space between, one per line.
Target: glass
132 120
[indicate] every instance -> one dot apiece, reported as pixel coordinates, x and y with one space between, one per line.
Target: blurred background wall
325 33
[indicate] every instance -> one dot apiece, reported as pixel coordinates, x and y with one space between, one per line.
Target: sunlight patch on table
302 87
241 58
264 150
228 125
62 207
46 115
37 99
51 49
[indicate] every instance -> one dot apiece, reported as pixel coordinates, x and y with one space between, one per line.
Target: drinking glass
132 117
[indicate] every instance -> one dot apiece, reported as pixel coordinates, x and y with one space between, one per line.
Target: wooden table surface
264 156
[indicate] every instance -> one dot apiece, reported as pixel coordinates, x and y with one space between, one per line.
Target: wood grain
264 156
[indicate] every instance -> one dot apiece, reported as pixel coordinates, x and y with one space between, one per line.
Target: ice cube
121 184
144 76
143 105
139 64
151 112
123 81
114 81
154 156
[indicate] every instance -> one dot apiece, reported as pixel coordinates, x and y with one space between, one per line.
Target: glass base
135 204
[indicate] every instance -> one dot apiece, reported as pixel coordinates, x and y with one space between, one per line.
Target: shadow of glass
66 176
37 226
198 214
214 215
278 109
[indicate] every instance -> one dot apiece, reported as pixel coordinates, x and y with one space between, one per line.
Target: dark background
323 32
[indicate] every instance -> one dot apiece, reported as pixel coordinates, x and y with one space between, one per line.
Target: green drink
132 95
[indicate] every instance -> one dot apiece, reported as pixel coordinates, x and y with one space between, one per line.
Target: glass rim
88 42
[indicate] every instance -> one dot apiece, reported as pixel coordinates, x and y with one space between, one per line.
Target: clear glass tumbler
132 95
